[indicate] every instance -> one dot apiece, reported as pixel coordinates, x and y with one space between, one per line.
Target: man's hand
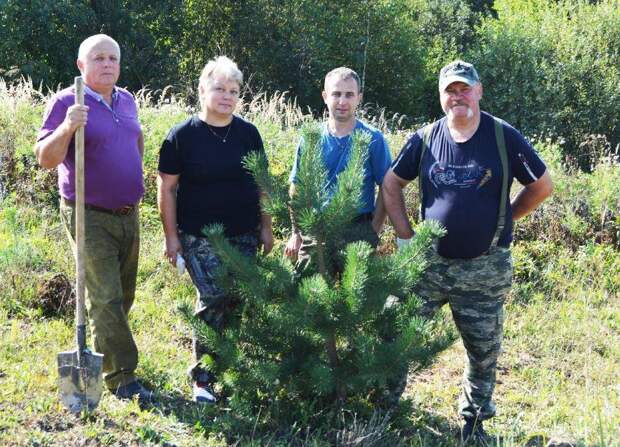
292 246
172 246
52 150
266 238
531 196
77 116
377 224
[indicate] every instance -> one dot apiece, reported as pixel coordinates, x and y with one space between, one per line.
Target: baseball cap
457 71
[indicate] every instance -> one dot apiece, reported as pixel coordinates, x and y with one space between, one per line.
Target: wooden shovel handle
80 303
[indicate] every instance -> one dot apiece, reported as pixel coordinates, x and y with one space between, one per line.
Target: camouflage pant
213 305
475 289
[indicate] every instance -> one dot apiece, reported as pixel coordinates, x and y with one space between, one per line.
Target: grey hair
91 41
220 65
343 73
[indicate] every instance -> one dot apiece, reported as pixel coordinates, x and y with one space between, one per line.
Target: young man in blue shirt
342 95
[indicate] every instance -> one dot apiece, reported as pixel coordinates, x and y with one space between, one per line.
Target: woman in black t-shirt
202 181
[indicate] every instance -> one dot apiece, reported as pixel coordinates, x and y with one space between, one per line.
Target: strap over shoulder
503 156
426 140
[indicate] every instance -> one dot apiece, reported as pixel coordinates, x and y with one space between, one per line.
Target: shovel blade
80 380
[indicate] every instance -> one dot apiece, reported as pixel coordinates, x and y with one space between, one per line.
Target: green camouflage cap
457 71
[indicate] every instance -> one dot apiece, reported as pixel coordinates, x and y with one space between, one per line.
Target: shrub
551 69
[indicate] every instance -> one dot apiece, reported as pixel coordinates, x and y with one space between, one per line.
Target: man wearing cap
465 164
113 188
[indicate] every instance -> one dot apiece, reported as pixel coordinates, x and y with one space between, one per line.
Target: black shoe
134 389
473 433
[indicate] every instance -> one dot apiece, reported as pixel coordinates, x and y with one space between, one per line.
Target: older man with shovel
105 239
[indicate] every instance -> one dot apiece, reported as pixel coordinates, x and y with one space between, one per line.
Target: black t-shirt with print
462 183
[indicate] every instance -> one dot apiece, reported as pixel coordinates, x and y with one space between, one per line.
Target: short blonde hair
221 65
91 41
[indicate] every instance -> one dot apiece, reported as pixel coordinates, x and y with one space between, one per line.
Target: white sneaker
203 393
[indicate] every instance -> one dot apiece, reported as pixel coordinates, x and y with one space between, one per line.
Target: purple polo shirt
112 162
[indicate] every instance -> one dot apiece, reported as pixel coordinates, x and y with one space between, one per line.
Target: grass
558 377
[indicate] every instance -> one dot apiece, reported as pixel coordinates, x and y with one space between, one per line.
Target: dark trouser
213 305
475 289
359 230
111 249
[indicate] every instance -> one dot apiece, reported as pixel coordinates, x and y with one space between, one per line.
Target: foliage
21 109
311 340
41 41
551 69
561 331
584 207
548 68
281 46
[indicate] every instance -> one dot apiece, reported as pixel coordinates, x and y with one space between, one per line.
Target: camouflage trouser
475 290
360 230
213 305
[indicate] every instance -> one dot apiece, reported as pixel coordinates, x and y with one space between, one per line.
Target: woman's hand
172 246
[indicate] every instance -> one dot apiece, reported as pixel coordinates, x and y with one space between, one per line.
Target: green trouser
475 290
111 249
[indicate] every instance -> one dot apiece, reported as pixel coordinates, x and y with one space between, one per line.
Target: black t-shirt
213 185
461 183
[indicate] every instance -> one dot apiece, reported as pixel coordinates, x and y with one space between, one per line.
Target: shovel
80 382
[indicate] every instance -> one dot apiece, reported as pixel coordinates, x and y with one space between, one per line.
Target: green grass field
558 378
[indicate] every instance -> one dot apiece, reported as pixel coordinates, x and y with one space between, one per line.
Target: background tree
40 39
549 68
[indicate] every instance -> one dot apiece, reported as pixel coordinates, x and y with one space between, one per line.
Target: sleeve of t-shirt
169 155
292 178
380 158
53 117
526 164
406 164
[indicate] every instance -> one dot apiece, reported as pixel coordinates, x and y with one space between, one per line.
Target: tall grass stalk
558 376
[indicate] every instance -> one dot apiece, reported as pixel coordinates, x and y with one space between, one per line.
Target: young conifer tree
329 336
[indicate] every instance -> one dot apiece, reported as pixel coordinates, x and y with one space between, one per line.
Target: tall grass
558 376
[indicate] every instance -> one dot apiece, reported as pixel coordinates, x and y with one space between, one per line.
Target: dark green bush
551 69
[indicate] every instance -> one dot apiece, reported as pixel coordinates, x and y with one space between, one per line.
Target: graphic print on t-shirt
459 176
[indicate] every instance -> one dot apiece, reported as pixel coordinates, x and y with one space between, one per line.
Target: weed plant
557 379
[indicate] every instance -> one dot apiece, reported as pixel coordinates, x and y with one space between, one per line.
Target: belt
123 211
